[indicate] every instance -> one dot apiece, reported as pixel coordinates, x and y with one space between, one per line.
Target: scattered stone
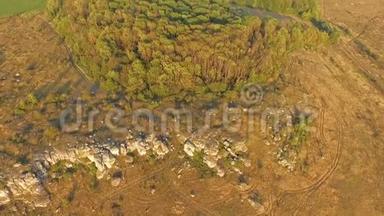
247 163
160 147
220 172
117 178
17 165
211 161
4 197
189 148
255 201
40 170
123 149
193 194
32 66
243 181
116 181
211 145
129 159
179 208
153 189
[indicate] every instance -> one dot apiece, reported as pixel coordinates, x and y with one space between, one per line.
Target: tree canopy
152 49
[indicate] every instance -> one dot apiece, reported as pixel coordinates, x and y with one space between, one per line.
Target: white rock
256 205
220 172
114 150
123 149
211 161
108 159
160 148
239 146
28 188
212 148
140 146
97 160
40 170
189 148
130 159
4 197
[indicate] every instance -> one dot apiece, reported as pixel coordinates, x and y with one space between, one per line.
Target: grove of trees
156 49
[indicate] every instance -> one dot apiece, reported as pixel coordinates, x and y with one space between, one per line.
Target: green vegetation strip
306 9
12 7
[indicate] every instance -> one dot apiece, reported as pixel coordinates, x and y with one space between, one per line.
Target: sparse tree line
156 49
304 8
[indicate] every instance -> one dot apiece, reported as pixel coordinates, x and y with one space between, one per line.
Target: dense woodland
156 49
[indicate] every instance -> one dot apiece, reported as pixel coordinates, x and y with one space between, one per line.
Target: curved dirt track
355 107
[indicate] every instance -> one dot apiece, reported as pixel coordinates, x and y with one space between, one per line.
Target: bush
197 161
26 105
333 32
50 134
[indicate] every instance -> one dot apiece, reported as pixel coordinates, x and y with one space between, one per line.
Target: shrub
197 161
26 105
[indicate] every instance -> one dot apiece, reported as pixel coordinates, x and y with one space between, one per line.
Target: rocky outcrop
28 186
143 143
216 147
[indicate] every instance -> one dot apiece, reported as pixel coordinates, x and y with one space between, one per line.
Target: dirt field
364 19
35 67
345 176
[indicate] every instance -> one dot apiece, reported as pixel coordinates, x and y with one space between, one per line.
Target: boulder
4 197
211 161
117 177
189 148
115 182
28 188
255 201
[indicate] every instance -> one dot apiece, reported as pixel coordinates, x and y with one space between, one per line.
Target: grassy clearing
12 7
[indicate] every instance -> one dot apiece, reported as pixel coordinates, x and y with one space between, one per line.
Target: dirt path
349 82
363 18
355 105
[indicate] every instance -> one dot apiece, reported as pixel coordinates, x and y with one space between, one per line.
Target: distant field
11 7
